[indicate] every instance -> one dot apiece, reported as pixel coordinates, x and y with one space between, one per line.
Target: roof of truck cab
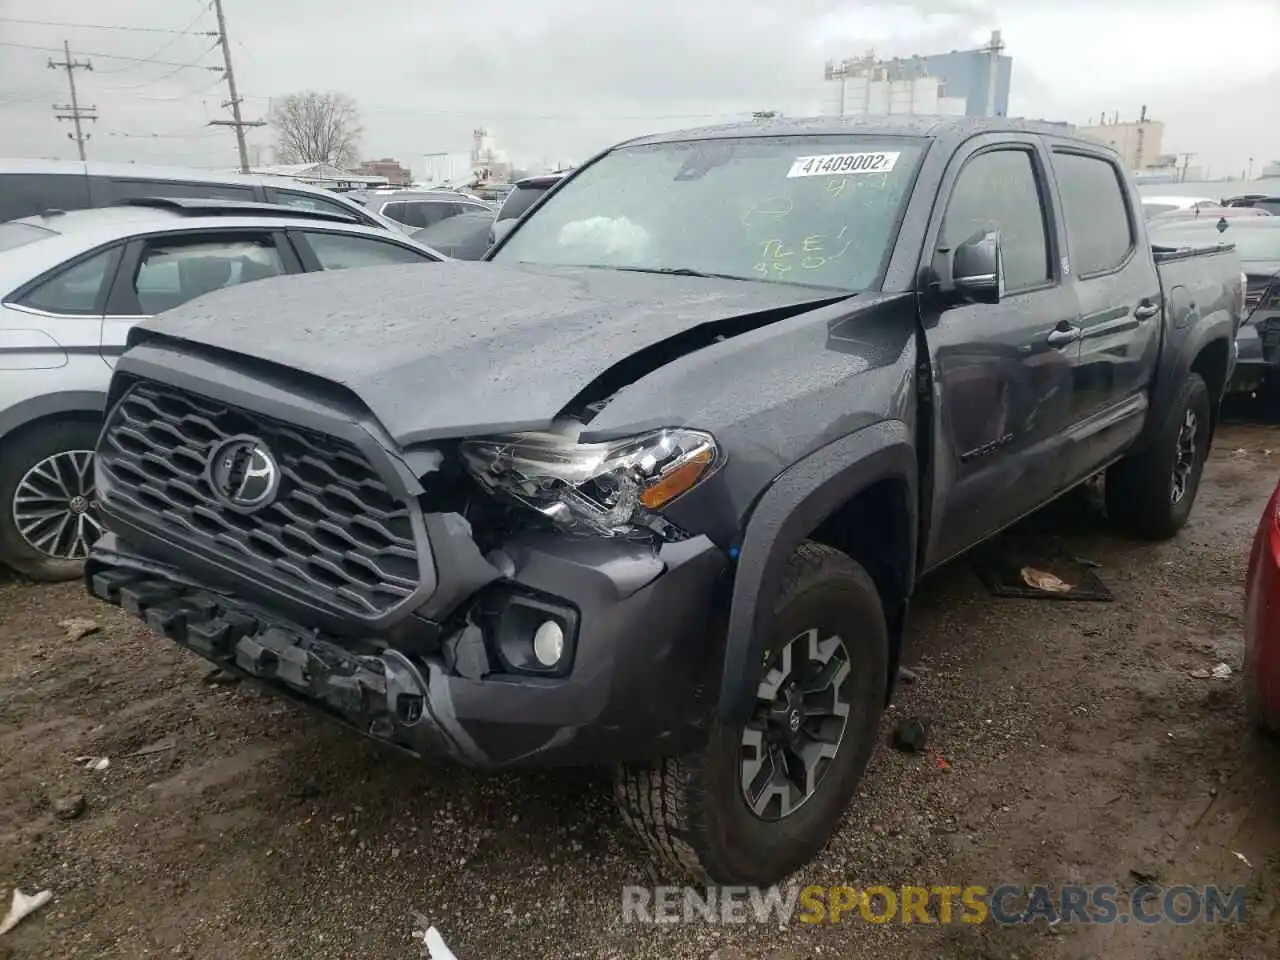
938 128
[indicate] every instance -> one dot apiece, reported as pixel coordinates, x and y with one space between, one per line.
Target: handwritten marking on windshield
815 246
774 258
837 187
774 209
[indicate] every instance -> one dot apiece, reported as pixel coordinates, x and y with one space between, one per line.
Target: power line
415 112
165 76
104 56
237 123
100 26
204 8
200 133
182 96
74 112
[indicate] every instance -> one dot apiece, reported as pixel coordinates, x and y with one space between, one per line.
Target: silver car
417 209
31 187
73 284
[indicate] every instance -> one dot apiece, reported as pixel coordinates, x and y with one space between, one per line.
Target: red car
1262 620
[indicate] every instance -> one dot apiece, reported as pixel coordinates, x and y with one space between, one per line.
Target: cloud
561 78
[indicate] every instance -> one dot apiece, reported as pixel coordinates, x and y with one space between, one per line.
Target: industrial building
387 168
1139 142
972 83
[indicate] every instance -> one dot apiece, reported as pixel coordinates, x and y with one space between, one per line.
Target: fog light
548 643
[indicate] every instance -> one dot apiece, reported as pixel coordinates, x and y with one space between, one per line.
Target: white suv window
171 272
77 291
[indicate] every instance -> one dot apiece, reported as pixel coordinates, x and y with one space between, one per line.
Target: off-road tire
18 454
1138 487
689 811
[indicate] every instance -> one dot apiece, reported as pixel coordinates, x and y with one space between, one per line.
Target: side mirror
977 270
500 229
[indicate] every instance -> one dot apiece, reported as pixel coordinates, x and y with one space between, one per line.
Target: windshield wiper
685 272
690 272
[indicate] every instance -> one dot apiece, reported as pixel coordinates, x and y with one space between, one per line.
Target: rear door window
30 194
173 270
79 290
1099 232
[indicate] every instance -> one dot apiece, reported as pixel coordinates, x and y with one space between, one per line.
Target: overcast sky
557 79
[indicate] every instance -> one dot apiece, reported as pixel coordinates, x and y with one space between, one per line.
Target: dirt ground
1079 749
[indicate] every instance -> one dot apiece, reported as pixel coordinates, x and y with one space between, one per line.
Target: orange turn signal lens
677 480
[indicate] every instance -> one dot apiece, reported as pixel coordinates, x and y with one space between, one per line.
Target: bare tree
313 127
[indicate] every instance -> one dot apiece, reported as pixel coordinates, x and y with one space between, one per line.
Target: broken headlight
609 489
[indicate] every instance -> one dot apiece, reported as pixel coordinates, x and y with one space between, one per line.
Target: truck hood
463 348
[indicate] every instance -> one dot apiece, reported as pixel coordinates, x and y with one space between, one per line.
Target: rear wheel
48 504
762 799
1150 493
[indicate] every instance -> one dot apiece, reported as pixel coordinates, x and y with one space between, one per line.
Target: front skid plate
380 694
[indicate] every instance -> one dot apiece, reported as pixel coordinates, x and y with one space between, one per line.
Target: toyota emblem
243 474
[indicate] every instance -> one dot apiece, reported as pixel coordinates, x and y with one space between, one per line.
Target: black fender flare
91 402
1174 369
786 513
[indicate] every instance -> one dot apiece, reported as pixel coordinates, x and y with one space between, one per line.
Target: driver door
1002 372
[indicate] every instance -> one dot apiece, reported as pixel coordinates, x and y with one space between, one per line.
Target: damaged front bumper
636 685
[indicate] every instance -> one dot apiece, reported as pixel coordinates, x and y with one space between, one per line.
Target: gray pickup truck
652 486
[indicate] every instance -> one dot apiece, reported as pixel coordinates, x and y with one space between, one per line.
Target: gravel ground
1078 748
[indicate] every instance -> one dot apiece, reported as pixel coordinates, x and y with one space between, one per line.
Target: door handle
1063 335
1145 311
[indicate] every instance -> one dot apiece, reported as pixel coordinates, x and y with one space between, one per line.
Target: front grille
334 531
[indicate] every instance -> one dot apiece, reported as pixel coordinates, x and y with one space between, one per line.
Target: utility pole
73 112
993 51
238 123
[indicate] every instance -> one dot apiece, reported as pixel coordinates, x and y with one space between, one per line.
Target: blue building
967 73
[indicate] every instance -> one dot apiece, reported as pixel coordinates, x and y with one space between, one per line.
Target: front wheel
48 505
762 799
1150 493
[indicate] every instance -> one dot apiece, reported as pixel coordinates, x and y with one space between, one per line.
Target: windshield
817 211
1253 241
13 234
